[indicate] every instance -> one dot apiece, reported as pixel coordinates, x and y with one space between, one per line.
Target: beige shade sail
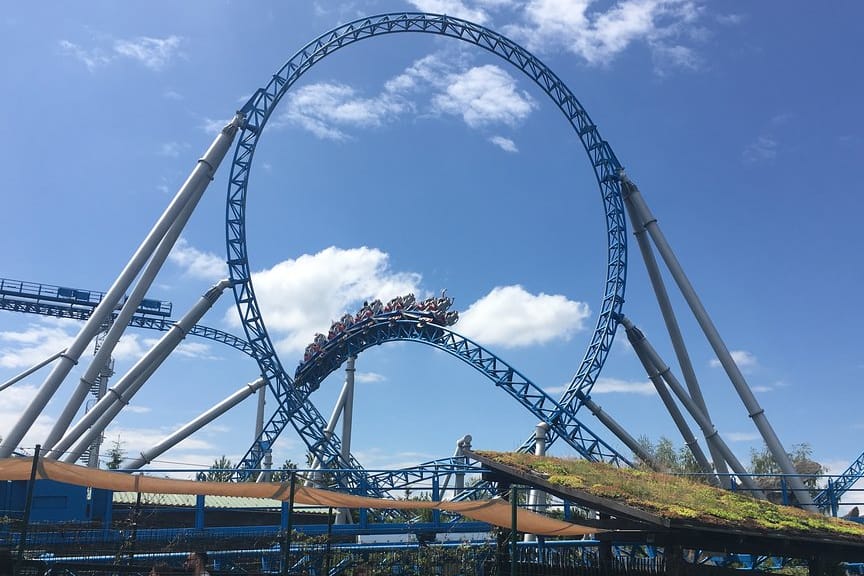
495 512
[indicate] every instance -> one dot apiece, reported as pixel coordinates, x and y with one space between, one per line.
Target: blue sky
417 163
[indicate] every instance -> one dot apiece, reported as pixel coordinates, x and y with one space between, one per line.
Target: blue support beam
292 397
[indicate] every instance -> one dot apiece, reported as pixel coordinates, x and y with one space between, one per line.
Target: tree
283 474
762 462
668 457
221 470
116 455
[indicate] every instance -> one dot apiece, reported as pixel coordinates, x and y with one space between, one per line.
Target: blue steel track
290 397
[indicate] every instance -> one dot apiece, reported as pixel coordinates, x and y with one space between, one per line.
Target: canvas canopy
495 512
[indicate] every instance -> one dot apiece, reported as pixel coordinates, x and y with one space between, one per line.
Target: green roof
674 497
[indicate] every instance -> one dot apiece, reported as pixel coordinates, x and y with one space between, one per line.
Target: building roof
648 507
226 502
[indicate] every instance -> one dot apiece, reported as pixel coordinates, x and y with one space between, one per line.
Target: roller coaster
105 315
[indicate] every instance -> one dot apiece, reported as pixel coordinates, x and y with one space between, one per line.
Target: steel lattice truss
406 326
414 327
16 303
422 474
290 398
838 487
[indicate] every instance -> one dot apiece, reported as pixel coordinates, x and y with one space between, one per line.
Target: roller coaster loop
257 111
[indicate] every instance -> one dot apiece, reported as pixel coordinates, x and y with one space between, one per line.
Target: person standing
196 563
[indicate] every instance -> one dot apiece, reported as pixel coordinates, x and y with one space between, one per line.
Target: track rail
290 397
416 327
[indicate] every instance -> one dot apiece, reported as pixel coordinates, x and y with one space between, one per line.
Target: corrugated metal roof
188 501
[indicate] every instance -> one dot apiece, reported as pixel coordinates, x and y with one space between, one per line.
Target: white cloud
484 95
455 8
133 346
325 107
38 341
154 53
214 126
555 390
505 144
92 59
599 36
615 385
172 149
742 358
303 296
198 264
367 377
763 149
511 317
13 401
742 436
132 409
481 96
196 350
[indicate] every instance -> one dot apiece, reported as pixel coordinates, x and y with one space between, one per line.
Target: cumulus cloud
13 401
38 341
455 8
300 297
511 317
481 96
214 125
742 358
598 36
197 264
326 108
153 53
484 95
133 346
615 385
505 144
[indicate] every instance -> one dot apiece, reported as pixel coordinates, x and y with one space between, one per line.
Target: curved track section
308 423
416 327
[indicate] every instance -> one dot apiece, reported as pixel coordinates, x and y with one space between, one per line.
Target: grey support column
649 356
662 296
187 430
131 382
754 410
191 191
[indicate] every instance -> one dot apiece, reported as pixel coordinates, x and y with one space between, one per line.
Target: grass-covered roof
677 498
